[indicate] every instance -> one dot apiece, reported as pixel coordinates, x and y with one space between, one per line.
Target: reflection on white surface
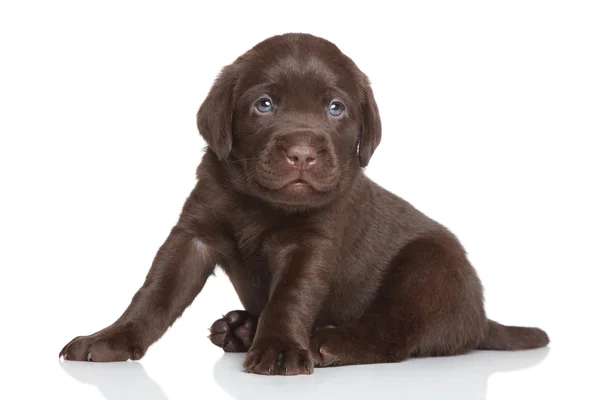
462 377
116 381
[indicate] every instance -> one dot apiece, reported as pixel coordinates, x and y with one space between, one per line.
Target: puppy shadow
461 377
116 381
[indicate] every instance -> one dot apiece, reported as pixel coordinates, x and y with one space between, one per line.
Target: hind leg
379 335
234 332
430 304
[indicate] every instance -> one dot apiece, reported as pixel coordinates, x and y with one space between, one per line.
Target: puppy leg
177 275
234 332
429 304
299 286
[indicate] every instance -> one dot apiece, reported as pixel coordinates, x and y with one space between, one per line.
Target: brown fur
331 268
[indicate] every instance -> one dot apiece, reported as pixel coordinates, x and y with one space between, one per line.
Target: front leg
178 273
301 276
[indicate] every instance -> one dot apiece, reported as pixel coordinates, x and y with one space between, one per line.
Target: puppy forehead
291 69
305 66
307 76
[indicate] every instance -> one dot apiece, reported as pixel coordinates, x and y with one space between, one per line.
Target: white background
491 114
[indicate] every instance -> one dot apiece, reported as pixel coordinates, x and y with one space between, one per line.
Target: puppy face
292 121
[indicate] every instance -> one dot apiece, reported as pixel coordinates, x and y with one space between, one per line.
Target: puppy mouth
295 184
298 184
298 191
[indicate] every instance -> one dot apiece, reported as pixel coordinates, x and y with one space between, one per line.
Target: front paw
274 357
114 343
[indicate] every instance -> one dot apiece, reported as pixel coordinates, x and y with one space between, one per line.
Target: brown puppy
331 268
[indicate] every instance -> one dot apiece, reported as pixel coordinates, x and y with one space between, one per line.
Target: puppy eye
336 108
264 105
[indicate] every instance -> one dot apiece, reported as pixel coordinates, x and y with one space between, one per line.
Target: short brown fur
331 268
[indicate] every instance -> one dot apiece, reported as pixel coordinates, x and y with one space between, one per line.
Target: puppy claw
137 354
328 358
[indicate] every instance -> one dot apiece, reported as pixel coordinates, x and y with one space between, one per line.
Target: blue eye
336 108
264 105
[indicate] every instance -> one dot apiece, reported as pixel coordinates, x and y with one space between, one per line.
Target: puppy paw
234 332
273 357
110 344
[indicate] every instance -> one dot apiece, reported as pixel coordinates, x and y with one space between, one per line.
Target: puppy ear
215 116
370 135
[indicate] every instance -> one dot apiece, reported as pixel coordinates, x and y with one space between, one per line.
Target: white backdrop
491 114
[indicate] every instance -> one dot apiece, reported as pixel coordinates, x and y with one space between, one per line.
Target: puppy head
292 121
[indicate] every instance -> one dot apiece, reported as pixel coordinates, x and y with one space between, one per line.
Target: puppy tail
500 337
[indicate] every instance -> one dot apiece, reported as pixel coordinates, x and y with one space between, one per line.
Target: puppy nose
301 156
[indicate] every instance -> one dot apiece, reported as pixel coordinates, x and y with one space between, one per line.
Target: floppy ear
215 116
370 134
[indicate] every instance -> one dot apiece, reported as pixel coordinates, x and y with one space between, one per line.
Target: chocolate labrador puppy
331 268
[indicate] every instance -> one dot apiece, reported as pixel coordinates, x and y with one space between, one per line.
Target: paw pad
234 332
